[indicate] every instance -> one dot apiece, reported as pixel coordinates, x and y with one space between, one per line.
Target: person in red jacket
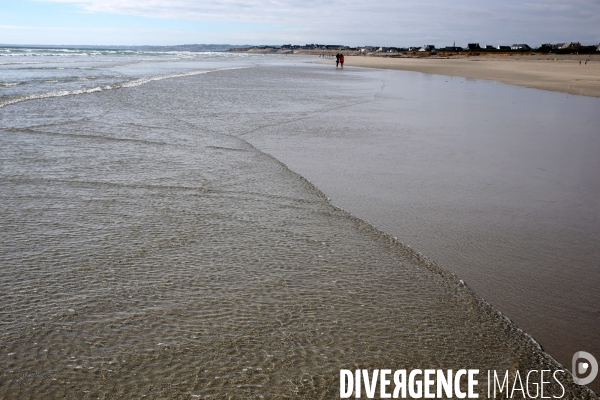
342 60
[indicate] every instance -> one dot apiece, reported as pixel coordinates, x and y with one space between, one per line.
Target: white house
427 47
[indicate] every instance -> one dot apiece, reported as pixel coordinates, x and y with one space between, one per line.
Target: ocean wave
138 82
64 61
28 54
127 84
58 93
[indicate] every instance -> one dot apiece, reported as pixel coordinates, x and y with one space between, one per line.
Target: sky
348 22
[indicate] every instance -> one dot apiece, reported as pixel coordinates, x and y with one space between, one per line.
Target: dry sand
541 72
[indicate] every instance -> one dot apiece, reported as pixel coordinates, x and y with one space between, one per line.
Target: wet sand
539 72
495 183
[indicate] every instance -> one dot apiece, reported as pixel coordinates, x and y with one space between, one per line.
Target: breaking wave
126 84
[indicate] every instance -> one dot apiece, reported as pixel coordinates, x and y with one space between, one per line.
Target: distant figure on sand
342 60
337 59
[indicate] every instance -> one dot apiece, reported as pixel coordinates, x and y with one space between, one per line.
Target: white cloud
386 22
91 29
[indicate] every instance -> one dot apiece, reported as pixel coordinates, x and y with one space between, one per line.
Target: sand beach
548 72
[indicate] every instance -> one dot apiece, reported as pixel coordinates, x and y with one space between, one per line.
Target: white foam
58 93
142 81
129 84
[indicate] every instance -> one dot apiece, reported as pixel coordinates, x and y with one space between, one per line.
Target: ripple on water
203 268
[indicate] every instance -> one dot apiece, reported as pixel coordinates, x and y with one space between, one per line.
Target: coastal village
473 49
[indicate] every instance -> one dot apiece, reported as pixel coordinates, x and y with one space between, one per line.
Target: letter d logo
580 367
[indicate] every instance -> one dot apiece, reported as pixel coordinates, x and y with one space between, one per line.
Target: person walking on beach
337 59
342 60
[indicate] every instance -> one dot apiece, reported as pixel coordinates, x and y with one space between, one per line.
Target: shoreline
205 256
546 72
565 73
365 143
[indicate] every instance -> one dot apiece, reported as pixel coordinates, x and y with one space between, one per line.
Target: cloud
252 11
92 29
387 22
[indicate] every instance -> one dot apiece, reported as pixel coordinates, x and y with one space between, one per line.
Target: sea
180 225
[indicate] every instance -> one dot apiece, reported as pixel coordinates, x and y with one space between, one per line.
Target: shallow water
32 73
149 249
496 183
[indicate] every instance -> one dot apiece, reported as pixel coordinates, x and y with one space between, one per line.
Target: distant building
551 46
520 47
490 47
503 47
427 47
474 46
452 48
571 45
